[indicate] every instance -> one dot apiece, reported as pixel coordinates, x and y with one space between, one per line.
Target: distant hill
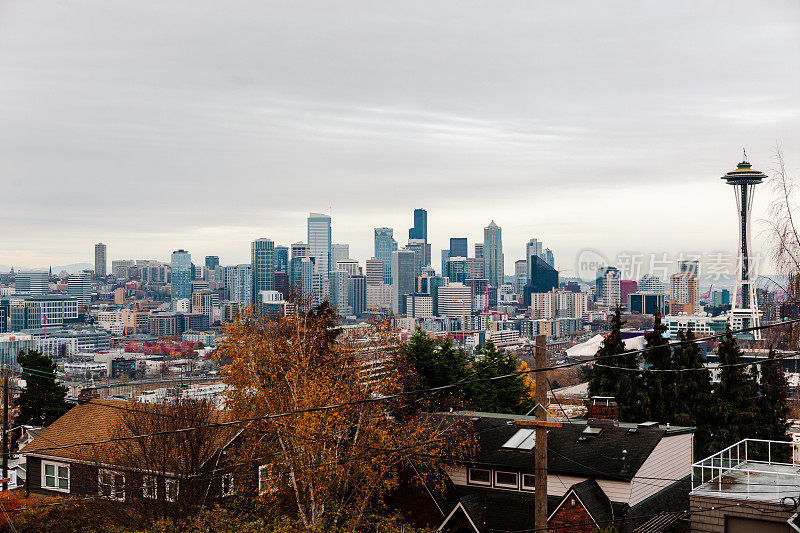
74 267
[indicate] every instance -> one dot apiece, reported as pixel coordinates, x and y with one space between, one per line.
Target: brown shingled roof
98 420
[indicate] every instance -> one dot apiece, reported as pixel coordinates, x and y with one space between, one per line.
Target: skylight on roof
523 439
592 431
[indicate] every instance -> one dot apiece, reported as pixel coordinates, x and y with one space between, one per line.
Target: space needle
744 311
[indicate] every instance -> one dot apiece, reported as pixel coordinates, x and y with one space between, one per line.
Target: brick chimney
602 408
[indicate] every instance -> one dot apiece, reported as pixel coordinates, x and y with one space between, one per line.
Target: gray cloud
203 125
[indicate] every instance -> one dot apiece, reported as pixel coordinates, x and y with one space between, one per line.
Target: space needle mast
744 311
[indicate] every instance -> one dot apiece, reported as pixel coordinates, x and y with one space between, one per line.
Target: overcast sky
153 126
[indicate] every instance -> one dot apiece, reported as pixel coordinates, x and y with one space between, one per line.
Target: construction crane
707 295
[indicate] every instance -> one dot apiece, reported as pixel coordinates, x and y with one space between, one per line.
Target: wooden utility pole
540 449
5 418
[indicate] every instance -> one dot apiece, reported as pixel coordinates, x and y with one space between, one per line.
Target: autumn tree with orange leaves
332 435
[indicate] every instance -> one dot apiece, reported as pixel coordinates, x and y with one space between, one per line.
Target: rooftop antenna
744 154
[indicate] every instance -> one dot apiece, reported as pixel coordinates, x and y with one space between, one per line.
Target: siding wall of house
671 460
558 485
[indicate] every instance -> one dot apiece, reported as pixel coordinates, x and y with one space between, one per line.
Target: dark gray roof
598 456
594 500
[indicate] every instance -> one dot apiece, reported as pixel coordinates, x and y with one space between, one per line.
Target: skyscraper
607 287
384 246
240 284
282 259
263 261
458 247
33 283
543 278
100 260
339 252
403 281
493 254
548 257
357 294
533 247
421 254
181 266
339 292
420 229
374 271
79 285
299 249
212 262
319 247
520 275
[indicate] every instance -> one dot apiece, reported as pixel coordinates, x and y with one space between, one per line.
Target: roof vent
648 425
581 439
632 431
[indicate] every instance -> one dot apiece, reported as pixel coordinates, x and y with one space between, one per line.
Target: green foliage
773 401
693 397
437 363
735 411
605 380
42 401
498 396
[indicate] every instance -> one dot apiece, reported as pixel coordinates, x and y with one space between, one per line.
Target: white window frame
230 490
168 494
56 477
500 485
470 481
261 482
149 487
114 494
530 487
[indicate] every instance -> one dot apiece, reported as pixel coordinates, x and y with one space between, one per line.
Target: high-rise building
374 271
626 287
357 294
691 265
121 268
203 302
212 262
652 284
240 284
384 246
79 286
445 258
301 276
181 266
548 257
421 254
646 303
520 275
420 229
720 298
683 293
319 242
493 254
403 279
419 305
543 278
478 250
33 283
348 265
299 249
282 283
454 300
339 252
263 263
282 259
458 247
607 288
100 260
339 292
457 269
533 247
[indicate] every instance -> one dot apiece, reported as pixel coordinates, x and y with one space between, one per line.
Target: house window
265 482
528 482
227 485
171 490
149 487
478 476
111 485
506 480
55 476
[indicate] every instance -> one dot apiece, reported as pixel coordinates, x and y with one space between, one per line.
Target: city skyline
660 120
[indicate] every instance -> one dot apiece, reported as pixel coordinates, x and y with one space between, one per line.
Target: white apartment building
454 299
419 305
558 304
379 296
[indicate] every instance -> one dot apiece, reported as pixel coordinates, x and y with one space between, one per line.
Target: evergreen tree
773 401
42 401
605 380
510 395
437 364
692 392
735 410
658 402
